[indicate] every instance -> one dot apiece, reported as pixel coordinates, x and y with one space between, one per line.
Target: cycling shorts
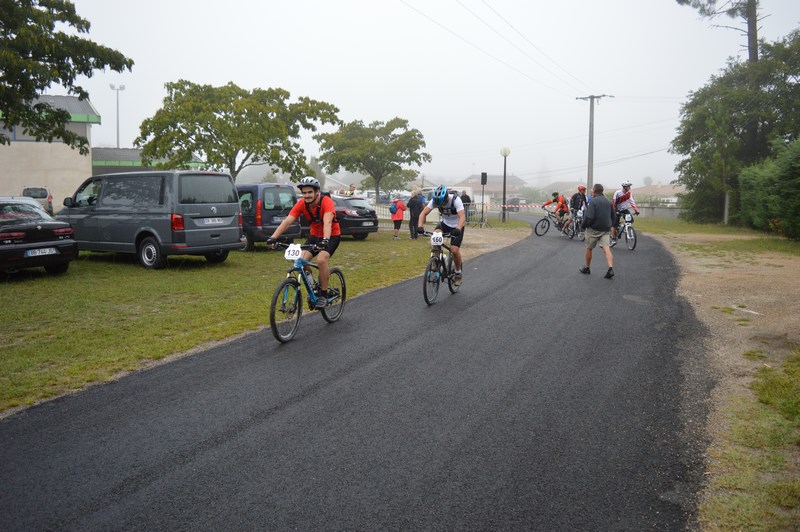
446 229
333 243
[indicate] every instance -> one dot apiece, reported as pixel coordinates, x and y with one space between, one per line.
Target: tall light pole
504 152
590 172
117 89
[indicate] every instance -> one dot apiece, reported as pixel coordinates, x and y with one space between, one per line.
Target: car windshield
11 213
357 203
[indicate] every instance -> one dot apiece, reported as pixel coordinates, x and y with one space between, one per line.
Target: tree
34 56
714 133
744 9
231 128
378 150
648 181
771 192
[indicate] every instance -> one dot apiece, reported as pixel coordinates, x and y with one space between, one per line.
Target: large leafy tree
231 128
378 150
714 133
35 56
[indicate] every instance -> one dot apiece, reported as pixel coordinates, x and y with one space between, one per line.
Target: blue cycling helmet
439 195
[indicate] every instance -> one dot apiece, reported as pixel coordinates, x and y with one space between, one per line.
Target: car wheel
362 236
217 256
150 255
57 269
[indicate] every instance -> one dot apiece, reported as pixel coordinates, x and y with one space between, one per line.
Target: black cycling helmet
555 195
440 195
309 181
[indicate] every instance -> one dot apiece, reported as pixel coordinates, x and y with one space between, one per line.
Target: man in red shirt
324 231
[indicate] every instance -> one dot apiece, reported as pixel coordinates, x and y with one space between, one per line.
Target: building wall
55 166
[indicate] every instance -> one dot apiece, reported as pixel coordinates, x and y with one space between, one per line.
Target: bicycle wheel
337 295
285 310
541 226
451 284
431 281
571 231
630 237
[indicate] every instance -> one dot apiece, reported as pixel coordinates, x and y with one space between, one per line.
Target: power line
526 54
536 47
482 50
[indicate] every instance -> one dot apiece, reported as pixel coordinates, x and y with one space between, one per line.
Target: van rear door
210 209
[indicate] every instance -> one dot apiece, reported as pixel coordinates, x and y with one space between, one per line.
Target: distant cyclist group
596 222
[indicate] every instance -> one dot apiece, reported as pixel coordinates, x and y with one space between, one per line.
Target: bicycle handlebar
444 235
284 245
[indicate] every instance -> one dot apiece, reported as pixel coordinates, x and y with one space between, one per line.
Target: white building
26 162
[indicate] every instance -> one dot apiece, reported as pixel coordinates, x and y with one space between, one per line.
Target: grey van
264 207
155 214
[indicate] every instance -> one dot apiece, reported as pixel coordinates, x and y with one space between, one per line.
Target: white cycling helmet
309 181
626 183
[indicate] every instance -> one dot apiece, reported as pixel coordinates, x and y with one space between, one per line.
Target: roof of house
81 110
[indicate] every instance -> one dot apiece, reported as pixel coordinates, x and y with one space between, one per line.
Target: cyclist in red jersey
324 231
562 210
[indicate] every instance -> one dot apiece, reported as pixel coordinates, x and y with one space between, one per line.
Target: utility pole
592 98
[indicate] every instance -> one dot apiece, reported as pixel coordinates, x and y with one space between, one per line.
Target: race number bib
437 239
628 217
292 252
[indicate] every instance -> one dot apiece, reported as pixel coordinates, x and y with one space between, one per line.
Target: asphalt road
535 399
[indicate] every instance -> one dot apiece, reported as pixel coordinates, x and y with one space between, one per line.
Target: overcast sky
472 75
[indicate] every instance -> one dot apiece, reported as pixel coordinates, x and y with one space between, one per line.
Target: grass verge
756 473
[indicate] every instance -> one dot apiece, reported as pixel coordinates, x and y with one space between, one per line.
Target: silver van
156 214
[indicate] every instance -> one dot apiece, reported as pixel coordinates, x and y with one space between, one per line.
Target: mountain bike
625 229
287 301
543 225
439 268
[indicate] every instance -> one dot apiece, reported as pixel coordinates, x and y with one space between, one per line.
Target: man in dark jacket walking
599 219
415 206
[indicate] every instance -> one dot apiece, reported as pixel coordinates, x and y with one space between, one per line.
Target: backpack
316 217
393 207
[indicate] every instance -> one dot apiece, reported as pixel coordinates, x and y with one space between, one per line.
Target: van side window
87 195
138 191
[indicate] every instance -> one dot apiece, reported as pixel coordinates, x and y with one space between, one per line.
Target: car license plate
365 224
212 221
40 252
278 219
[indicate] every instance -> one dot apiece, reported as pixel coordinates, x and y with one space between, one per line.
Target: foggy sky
472 75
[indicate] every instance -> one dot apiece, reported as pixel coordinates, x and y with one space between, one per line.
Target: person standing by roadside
415 205
467 201
397 215
599 219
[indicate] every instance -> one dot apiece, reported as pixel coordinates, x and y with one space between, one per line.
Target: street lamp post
504 152
117 89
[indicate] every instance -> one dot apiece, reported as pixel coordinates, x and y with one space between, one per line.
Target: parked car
513 204
42 196
356 217
156 214
31 238
264 206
